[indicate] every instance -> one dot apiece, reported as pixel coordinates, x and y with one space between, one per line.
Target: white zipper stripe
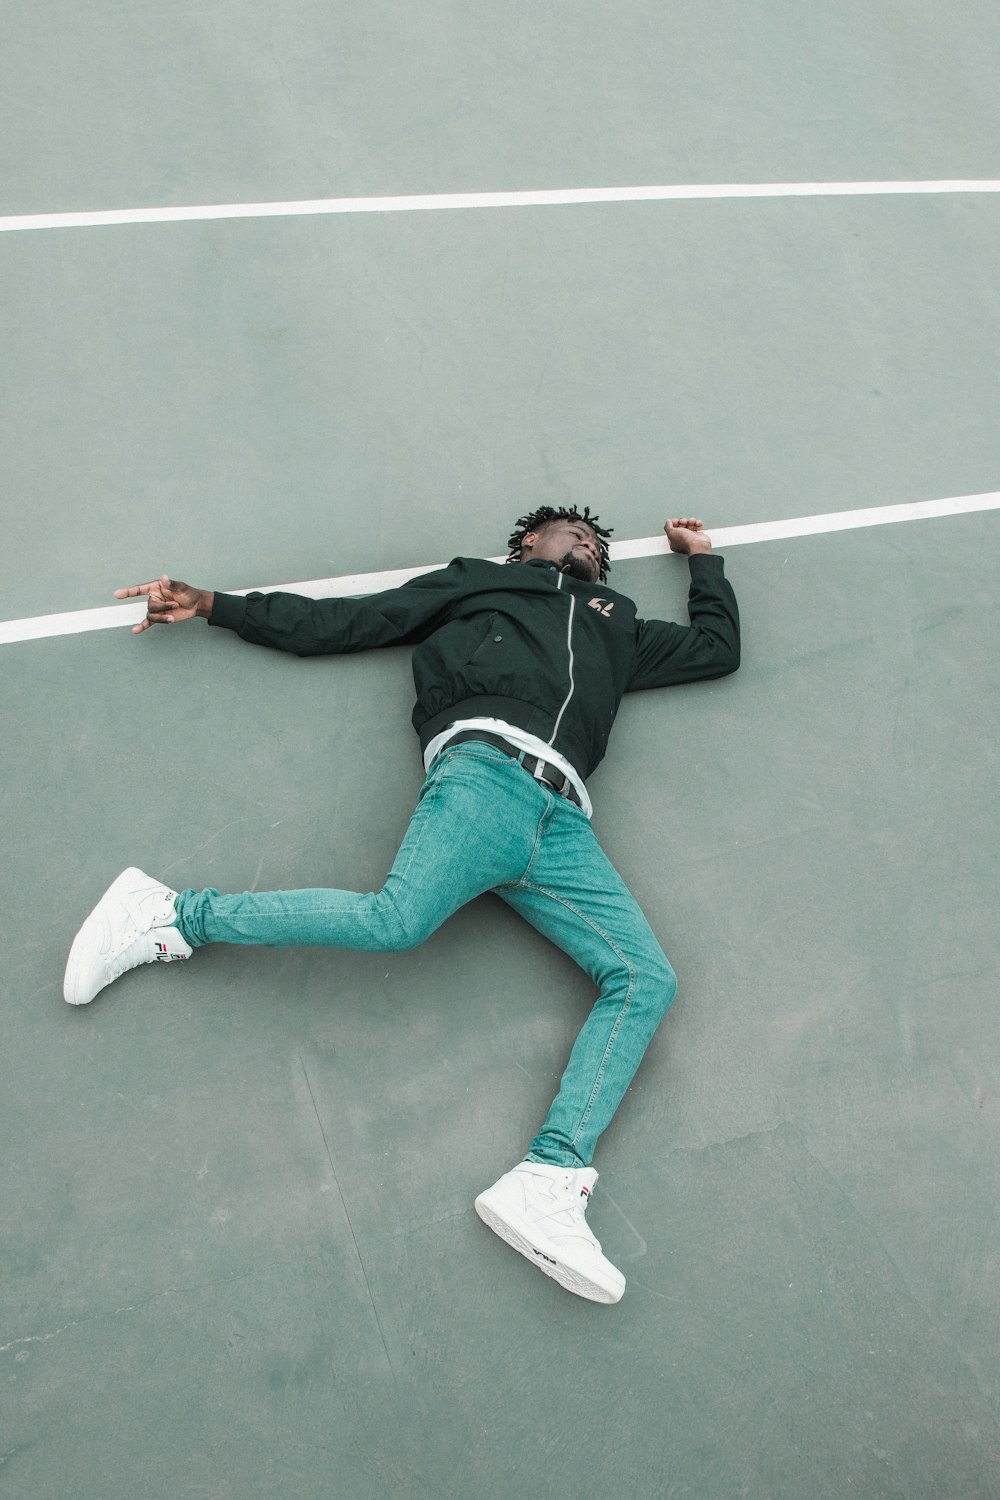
569 643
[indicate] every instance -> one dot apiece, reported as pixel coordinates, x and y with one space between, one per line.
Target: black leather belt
541 770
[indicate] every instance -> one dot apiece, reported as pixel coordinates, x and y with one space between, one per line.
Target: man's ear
528 540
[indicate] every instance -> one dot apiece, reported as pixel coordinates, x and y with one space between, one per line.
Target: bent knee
656 979
400 937
401 929
669 981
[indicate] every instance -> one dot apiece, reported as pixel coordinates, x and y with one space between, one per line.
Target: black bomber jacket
520 642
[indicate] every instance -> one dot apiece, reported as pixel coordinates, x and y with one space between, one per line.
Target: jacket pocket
485 640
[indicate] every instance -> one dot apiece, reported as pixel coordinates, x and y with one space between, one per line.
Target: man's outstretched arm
710 646
309 627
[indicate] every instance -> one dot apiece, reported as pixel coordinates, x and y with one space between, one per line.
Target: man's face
571 545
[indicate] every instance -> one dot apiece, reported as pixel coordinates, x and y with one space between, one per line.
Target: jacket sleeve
666 653
316 627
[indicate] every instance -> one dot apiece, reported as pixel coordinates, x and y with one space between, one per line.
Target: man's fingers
161 585
154 617
163 607
136 589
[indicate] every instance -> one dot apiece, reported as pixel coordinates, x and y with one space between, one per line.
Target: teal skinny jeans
482 823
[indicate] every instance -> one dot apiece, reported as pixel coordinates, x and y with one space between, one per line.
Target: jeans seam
539 830
625 1006
432 795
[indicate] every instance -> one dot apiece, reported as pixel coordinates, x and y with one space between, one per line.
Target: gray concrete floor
239 1252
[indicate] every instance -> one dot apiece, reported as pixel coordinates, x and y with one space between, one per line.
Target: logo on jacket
608 605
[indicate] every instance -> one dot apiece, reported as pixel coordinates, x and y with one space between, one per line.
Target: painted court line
548 197
38 627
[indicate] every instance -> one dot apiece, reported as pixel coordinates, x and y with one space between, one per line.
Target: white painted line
839 520
543 198
75 622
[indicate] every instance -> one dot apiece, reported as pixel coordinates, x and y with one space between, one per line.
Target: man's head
576 544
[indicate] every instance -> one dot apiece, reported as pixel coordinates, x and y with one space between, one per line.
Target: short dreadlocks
546 513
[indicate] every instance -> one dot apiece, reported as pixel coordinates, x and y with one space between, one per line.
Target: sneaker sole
516 1233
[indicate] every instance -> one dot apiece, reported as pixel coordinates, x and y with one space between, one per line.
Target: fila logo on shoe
542 1256
608 605
163 954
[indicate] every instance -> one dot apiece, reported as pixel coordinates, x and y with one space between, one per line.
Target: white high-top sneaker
540 1210
132 924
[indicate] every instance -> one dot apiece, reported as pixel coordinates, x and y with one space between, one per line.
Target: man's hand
168 601
687 534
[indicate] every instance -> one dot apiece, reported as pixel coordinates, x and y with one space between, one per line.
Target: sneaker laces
574 1208
129 955
135 928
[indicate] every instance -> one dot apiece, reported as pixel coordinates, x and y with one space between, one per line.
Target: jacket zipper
569 647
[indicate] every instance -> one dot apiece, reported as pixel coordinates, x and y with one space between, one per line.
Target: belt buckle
560 790
543 772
